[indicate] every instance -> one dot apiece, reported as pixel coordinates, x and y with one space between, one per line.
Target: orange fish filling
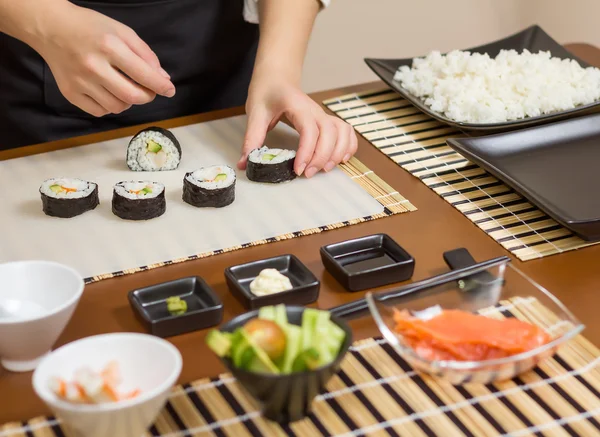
464 336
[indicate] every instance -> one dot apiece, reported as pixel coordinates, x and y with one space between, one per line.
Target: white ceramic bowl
37 300
147 363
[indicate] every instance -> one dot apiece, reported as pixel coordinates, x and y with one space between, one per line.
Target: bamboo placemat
377 393
417 143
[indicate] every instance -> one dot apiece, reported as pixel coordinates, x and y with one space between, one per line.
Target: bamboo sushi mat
377 393
417 143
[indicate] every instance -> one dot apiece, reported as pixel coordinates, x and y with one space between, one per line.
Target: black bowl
286 398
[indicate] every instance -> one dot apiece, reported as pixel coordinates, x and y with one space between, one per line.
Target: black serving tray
305 285
368 262
554 166
533 39
204 306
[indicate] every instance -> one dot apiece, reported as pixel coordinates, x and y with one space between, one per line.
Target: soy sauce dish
283 355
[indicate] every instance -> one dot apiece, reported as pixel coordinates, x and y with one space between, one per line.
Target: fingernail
301 169
329 166
311 172
346 157
169 93
164 73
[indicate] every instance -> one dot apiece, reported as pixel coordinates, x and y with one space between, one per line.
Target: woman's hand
100 65
325 141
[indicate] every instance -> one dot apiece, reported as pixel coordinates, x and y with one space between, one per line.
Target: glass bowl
495 291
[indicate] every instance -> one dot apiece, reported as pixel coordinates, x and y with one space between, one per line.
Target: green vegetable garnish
268 157
220 177
176 306
56 188
146 190
153 146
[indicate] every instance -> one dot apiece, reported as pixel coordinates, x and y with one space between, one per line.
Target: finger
325 146
140 71
306 125
89 105
143 50
341 146
256 131
125 89
353 144
107 100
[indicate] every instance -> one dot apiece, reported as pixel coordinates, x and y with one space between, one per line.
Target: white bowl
37 300
147 363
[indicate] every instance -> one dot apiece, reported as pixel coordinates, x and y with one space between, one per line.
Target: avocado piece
146 190
219 343
306 360
153 146
56 188
292 347
220 177
268 157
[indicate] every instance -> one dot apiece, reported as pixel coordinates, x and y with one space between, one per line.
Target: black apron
205 45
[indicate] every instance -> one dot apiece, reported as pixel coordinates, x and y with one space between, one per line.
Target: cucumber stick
292 347
267 313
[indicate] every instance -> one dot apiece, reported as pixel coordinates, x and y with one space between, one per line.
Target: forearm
285 27
26 20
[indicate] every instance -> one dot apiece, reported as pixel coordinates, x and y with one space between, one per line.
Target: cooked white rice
133 189
474 88
281 155
139 158
84 188
204 177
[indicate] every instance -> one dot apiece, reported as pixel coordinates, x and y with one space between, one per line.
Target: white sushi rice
474 88
204 177
84 188
128 189
281 155
139 158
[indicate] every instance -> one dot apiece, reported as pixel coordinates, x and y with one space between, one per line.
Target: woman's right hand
100 65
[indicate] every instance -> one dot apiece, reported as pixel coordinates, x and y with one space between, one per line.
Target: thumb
256 131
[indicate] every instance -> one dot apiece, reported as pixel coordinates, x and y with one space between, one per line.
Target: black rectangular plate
204 306
554 166
533 39
305 285
397 266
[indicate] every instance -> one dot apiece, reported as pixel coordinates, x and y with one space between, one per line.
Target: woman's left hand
325 141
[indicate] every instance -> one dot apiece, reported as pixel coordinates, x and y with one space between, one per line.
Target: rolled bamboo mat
417 143
377 393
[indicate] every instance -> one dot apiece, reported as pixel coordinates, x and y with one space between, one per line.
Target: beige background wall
351 30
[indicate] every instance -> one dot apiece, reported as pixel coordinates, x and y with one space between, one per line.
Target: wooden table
436 227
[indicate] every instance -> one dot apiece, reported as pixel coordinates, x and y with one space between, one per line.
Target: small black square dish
533 39
368 262
204 308
305 286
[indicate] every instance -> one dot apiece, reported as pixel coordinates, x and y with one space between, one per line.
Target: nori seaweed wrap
139 200
271 165
68 197
209 187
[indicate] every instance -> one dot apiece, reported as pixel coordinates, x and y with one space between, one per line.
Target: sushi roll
271 165
153 149
210 187
139 200
68 197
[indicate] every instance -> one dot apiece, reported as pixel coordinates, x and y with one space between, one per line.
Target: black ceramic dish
533 39
554 166
204 306
305 285
367 262
286 398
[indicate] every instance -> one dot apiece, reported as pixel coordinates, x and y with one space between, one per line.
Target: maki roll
271 165
153 149
139 200
67 197
210 186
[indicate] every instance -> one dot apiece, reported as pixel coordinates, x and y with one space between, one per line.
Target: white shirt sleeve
251 9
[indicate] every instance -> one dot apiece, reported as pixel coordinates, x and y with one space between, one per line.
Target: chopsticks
357 308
